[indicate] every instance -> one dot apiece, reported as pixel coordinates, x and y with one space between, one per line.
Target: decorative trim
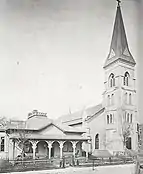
112 54
126 52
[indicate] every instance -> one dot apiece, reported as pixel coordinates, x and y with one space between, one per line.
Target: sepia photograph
71 86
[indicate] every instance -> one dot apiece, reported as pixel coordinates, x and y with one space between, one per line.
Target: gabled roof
63 128
96 114
76 117
70 117
119 49
93 110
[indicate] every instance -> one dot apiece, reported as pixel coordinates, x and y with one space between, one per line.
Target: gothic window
128 117
112 99
108 98
126 97
2 144
130 98
111 80
111 118
125 119
129 143
108 119
131 118
97 141
126 79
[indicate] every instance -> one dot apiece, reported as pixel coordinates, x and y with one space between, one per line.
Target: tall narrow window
108 119
126 98
126 79
128 117
125 117
129 143
108 100
97 141
111 80
111 118
112 99
130 98
2 144
131 118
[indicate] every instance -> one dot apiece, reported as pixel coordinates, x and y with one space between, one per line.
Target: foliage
21 136
126 132
5 164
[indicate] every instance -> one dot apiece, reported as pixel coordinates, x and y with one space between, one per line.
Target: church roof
119 49
70 117
94 109
76 117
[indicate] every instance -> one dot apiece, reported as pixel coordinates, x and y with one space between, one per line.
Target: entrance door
129 143
52 152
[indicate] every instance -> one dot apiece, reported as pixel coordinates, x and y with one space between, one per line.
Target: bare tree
20 136
3 122
126 131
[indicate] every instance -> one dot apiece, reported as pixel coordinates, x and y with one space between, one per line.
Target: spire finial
118 2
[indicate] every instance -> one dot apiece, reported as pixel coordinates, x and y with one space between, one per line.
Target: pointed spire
119 46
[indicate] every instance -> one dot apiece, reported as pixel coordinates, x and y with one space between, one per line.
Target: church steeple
119 49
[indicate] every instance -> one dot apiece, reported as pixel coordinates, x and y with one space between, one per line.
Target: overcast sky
52 53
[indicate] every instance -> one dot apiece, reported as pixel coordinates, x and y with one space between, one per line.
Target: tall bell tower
119 97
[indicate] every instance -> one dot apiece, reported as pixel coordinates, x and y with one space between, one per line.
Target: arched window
108 119
130 98
108 98
111 118
97 141
131 118
126 98
128 117
129 143
126 79
112 99
111 80
125 117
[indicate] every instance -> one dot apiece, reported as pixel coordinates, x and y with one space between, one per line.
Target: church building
112 125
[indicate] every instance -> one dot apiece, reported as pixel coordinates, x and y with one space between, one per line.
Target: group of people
72 161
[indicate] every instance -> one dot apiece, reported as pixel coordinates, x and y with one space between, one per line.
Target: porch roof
50 137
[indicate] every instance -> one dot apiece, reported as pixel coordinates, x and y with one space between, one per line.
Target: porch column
13 149
50 147
61 148
74 147
34 149
86 155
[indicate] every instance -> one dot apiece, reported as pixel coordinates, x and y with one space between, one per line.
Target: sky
52 53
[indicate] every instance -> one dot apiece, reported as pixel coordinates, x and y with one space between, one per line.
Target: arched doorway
129 143
97 141
28 147
42 149
67 148
78 151
55 151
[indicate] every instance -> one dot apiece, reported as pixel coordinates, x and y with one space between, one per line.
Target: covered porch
47 147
